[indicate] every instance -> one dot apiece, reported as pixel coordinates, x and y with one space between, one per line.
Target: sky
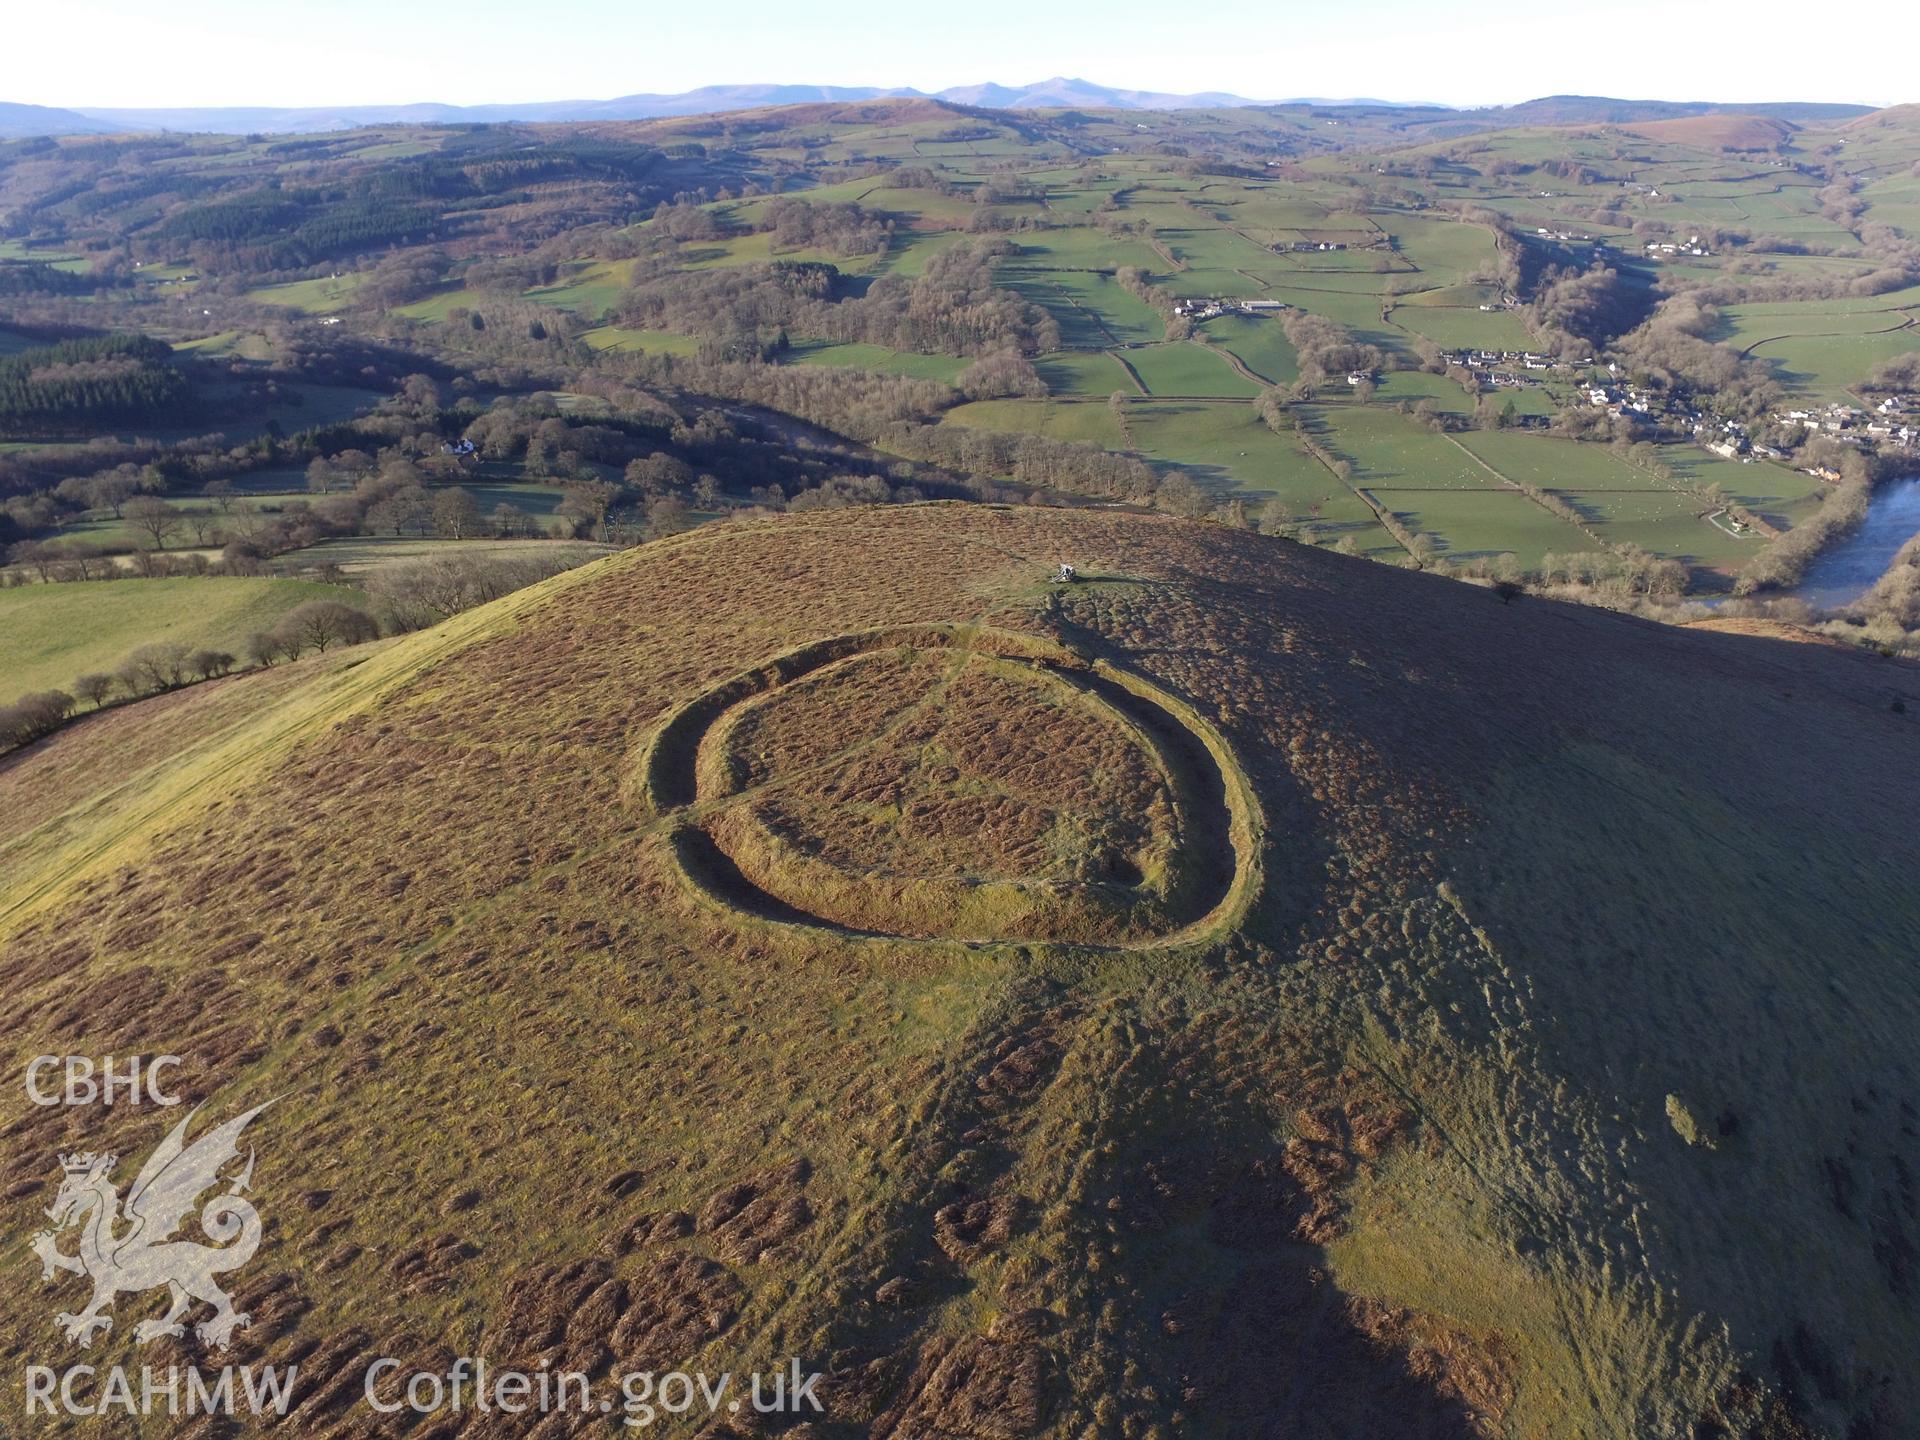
114 53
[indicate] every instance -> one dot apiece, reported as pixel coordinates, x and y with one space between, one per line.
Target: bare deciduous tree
153 517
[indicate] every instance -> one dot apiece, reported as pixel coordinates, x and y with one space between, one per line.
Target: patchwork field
1399 235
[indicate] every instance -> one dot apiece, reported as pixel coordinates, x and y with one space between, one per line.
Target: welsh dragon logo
145 1255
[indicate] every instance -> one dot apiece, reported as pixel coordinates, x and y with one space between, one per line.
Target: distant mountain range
1058 93
18 121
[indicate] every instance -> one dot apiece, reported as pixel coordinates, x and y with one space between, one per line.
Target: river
1845 571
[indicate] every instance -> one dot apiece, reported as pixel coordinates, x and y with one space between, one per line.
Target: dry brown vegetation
1717 132
1385 1152
960 782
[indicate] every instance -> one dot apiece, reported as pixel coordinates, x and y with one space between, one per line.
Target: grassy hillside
1252 991
51 633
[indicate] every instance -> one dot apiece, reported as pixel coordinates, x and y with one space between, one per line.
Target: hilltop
1895 117
1718 132
1600 110
21 120
1248 991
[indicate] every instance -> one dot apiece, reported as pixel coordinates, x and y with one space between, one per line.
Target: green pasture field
1339 264
228 344
58 259
1552 463
51 634
531 496
1202 284
1092 310
1231 450
1664 523
1457 297
271 485
1825 367
1464 329
661 342
1805 227
877 357
1445 251
1780 493
1079 247
927 209
1261 344
1388 448
591 288
1122 314
1824 267
1413 386
1741 326
1084 372
1359 312
911 250
1846 305
173 276
1081 199
1268 216
437 308
321 296
305 406
1214 249
1533 400
1182 368
1903 213
1357 283
394 150
117 535
1470 523
747 213
1085 421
